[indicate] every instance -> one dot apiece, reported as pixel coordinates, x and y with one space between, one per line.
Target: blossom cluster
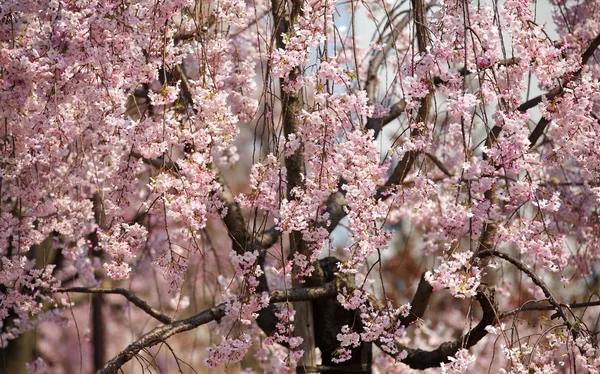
133 133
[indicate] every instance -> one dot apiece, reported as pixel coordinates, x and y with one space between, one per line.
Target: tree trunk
329 318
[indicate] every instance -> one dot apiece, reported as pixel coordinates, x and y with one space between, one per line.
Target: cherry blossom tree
299 185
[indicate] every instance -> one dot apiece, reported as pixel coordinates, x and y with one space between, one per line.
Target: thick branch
335 207
590 50
234 219
186 91
162 333
400 172
538 131
463 72
267 238
98 332
291 107
543 122
486 240
377 124
337 202
124 292
407 161
439 164
420 359
538 99
160 163
419 303
236 227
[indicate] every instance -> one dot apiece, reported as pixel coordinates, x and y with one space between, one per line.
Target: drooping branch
162 333
124 292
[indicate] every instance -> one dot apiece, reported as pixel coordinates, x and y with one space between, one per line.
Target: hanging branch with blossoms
329 186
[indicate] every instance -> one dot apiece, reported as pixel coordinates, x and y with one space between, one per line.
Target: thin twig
541 308
124 292
534 278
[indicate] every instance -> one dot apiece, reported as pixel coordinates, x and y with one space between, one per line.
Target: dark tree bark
330 317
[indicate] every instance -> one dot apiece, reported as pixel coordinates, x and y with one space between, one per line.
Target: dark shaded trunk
329 318
98 333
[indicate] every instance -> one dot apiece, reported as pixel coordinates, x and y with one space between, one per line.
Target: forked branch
162 333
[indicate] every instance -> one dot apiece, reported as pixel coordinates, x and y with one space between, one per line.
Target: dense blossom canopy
366 185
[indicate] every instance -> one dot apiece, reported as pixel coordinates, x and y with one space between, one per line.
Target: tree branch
124 292
463 72
421 359
540 308
439 164
379 57
162 333
419 303
403 168
291 107
377 124
590 50
543 122
234 219
538 131
534 277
